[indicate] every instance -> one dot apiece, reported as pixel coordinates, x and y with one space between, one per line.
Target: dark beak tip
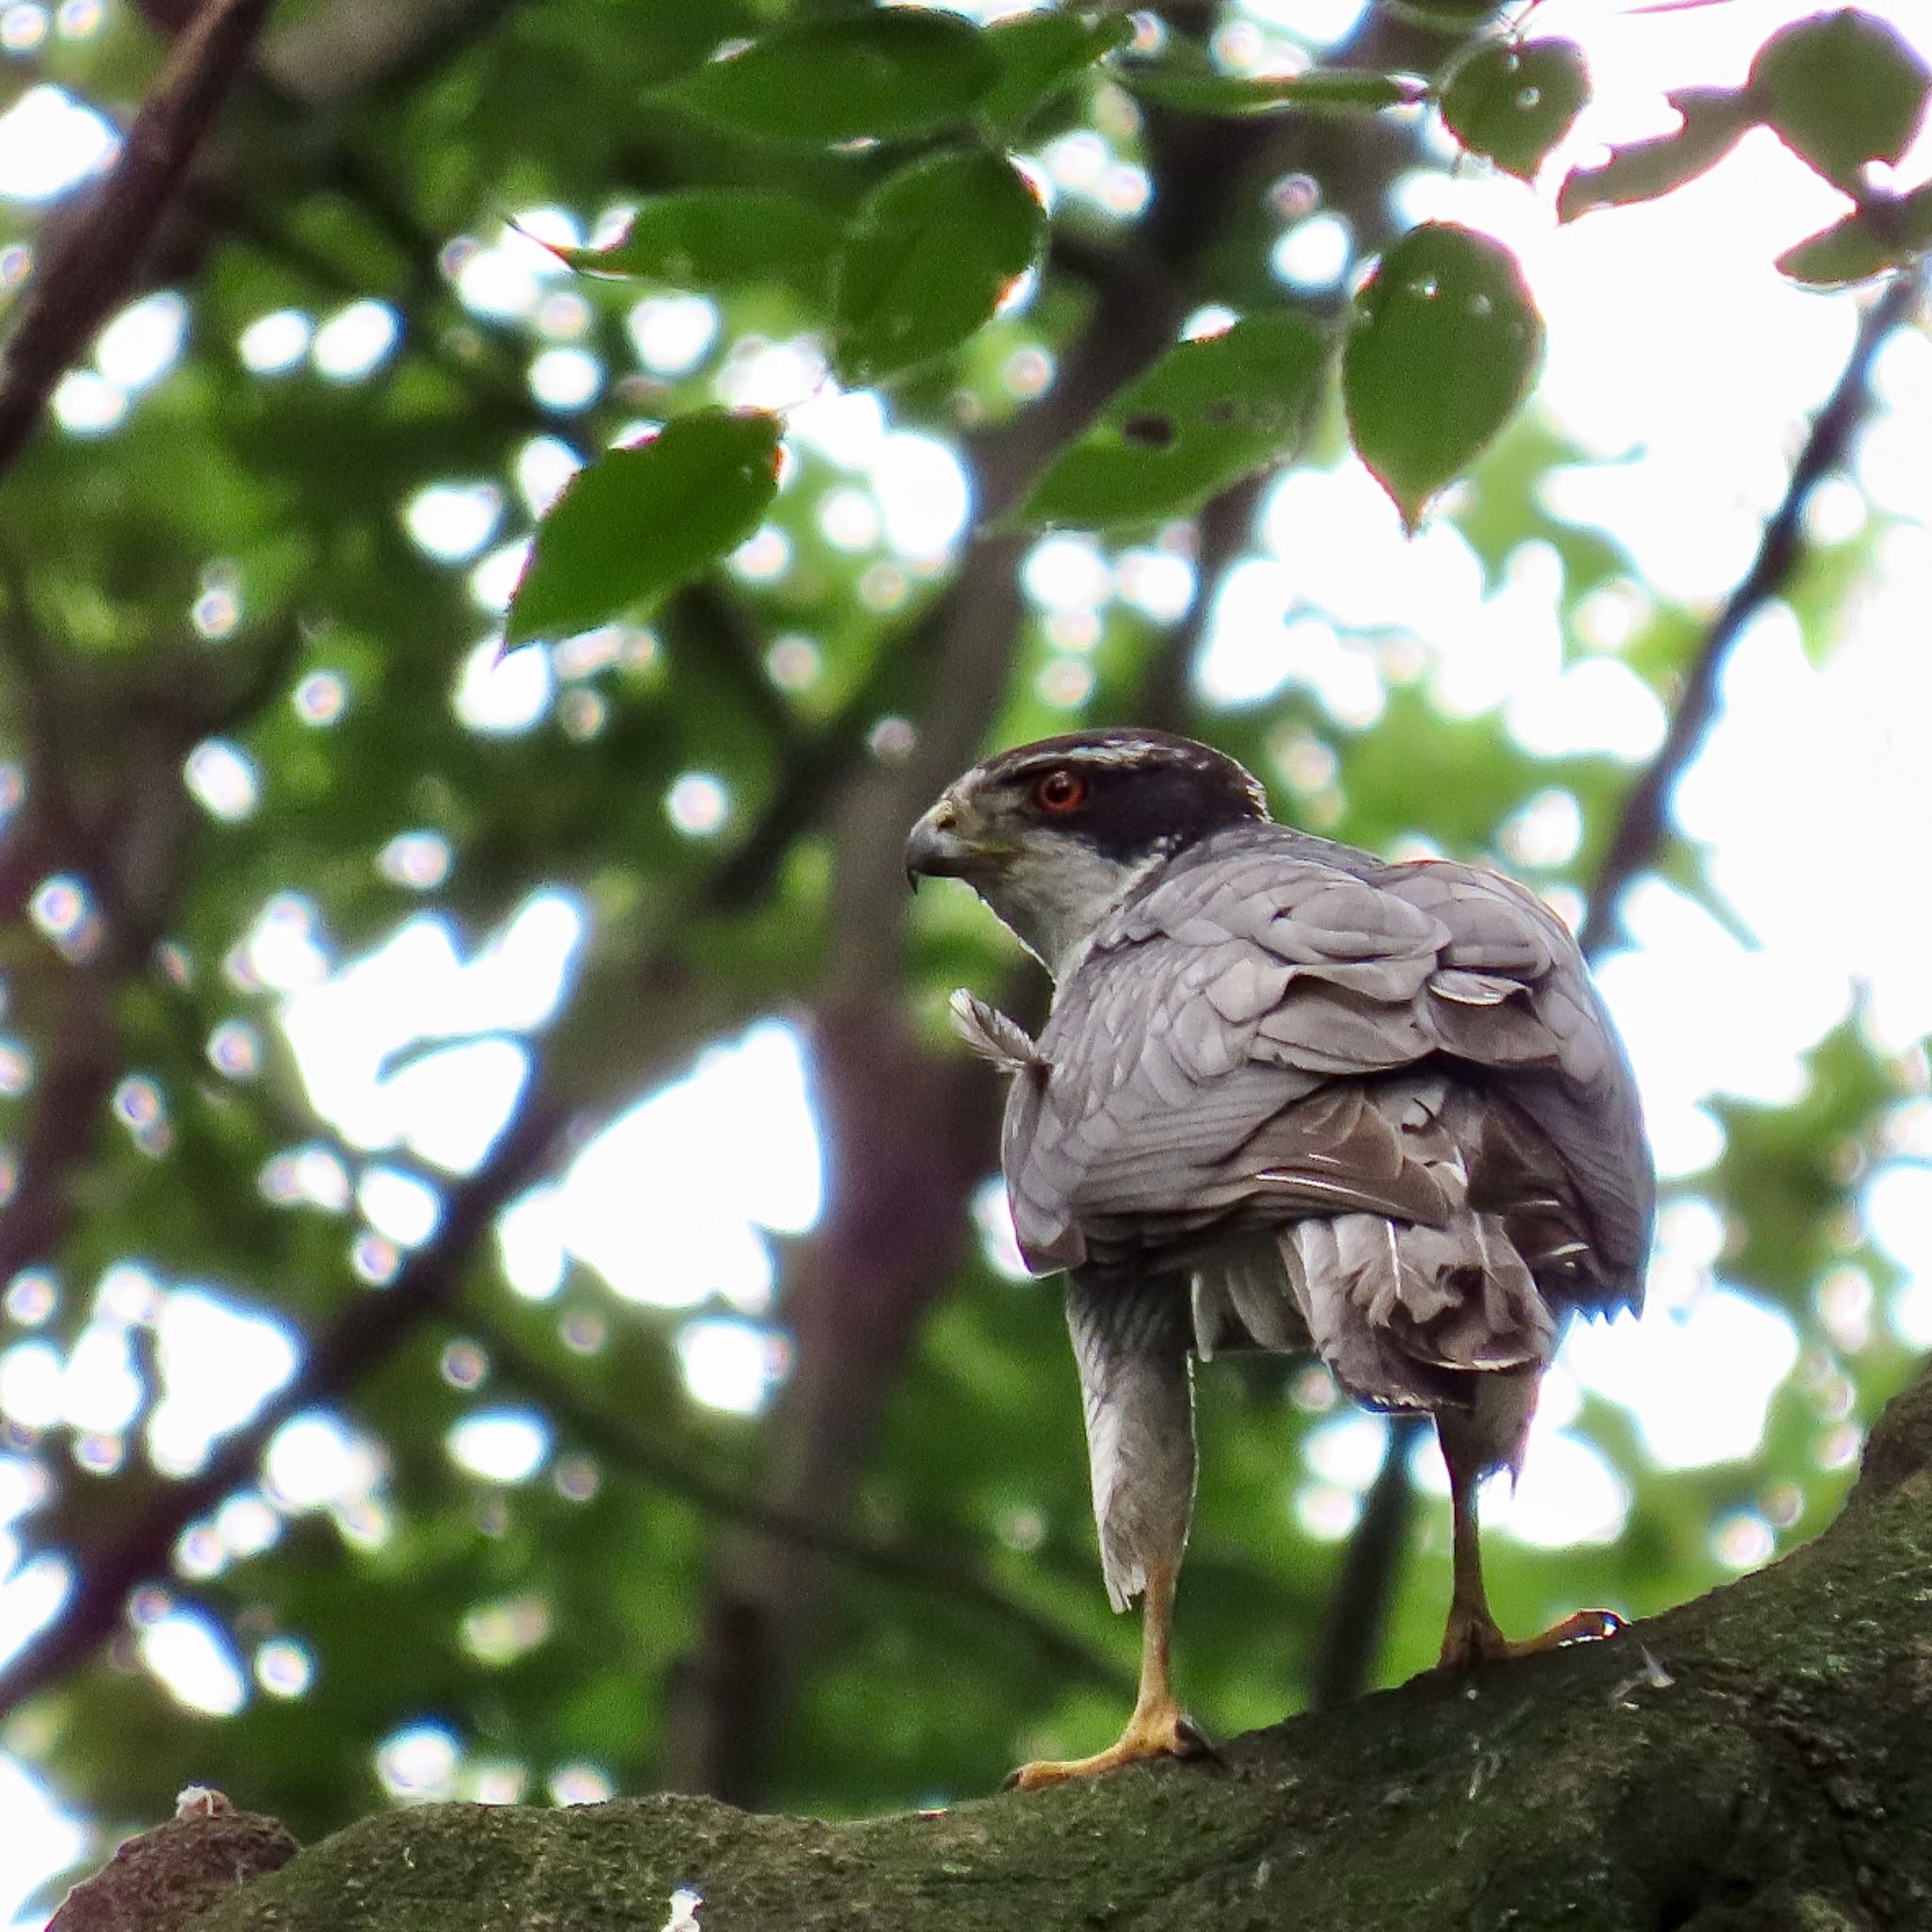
937 851
925 853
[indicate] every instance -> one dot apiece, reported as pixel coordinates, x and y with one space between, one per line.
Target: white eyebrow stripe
1130 754
1124 756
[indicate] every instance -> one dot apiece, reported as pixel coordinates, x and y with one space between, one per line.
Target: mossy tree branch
1758 1760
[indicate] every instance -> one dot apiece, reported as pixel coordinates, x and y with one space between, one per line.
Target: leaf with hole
1322 89
1715 120
639 521
1514 104
1206 414
721 239
1444 344
1841 90
884 75
927 259
1040 54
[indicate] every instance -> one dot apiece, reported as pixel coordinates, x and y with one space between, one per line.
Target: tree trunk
1759 1760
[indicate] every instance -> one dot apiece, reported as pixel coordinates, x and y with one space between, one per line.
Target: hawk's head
1053 835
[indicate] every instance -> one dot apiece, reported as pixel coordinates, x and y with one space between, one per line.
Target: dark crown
1145 789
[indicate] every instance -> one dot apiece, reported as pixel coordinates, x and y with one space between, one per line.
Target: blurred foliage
232 564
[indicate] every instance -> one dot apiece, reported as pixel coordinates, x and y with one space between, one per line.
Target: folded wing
1397 1078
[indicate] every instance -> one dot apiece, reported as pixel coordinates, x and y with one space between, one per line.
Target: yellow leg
1158 1727
1471 1636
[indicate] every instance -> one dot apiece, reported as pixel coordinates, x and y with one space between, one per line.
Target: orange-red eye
1060 791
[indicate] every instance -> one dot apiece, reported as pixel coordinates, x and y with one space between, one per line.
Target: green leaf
720 239
1206 415
1040 54
1790 1158
1883 234
882 75
1715 120
1847 252
1841 90
1332 90
1444 345
641 520
928 257
1516 103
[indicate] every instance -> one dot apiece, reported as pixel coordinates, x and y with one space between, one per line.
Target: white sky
1812 779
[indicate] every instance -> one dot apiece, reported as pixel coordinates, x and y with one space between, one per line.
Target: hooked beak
936 850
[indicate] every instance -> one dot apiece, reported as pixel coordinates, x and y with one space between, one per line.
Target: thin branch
1642 827
629 1449
29 654
1357 1610
70 1108
1220 533
89 269
250 680
368 1331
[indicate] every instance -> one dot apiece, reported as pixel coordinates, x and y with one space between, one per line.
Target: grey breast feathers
1286 1039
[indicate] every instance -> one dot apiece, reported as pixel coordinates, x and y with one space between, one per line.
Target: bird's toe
1471 1640
1166 1731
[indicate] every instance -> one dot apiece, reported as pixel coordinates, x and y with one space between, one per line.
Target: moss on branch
1759 1760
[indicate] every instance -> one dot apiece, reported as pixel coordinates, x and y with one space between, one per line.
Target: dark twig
368 1331
1642 828
70 1108
1221 532
1357 1610
627 1448
91 268
130 838
1345 1657
42 697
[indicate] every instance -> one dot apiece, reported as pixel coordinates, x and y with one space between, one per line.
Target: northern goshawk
1289 1096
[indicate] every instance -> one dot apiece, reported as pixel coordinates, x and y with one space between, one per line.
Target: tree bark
1759 1760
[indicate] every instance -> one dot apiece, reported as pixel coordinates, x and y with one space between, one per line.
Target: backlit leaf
1444 345
641 520
1206 415
928 258
881 75
720 239
1516 103
1882 235
1715 120
1841 90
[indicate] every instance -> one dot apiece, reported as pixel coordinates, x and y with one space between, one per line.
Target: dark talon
1200 1744
1588 1626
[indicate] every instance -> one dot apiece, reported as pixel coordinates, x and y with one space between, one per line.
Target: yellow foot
1165 1732
1472 1640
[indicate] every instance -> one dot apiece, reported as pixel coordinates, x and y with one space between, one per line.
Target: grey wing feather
1399 1075
991 1035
